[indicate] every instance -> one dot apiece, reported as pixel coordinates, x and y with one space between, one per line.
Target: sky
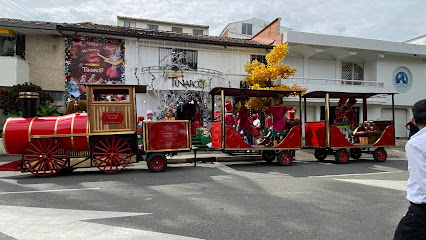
389 20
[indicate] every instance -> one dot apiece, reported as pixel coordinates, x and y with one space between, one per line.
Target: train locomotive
105 137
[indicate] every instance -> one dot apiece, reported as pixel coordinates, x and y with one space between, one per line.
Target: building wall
381 71
417 67
295 62
164 26
46 55
13 71
235 29
268 34
370 71
322 69
419 40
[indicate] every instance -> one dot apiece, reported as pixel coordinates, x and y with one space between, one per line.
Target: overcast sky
390 20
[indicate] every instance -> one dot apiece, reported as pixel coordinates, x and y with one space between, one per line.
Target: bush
10 102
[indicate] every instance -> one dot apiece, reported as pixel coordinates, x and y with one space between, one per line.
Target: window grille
352 71
197 32
247 29
130 24
177 29
259 58
178 59
152 27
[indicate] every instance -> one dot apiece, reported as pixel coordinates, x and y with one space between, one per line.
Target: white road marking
49 223
354 174
391 184
53 190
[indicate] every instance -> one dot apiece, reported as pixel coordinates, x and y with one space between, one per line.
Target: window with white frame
178 59
152 27
129 24
177 29
197 32
352 71
247 29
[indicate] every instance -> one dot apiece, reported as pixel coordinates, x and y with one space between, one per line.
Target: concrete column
306 69
338 69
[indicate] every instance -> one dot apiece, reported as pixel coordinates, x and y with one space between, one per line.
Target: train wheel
44 157
156 162
342 156
285 158
355 153
268 155
380 155
320 154
111 154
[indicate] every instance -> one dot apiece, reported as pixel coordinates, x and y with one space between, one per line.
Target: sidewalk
400 143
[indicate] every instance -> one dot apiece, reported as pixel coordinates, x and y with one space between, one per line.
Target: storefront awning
7 32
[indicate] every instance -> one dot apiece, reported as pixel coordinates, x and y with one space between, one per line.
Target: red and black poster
92 60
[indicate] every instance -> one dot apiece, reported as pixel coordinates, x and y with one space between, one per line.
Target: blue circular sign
402 79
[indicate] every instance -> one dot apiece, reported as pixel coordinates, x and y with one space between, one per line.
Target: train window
111 95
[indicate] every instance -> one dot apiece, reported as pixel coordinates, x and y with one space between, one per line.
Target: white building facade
174 70
349 64
175 65
326 62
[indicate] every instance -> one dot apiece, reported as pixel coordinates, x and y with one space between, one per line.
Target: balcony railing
328 81
13 71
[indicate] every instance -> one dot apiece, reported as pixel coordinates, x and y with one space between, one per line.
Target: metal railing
328 81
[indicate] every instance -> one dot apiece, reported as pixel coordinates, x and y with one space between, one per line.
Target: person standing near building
412 128
413 224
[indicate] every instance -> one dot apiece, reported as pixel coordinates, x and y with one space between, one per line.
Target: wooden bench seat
370 131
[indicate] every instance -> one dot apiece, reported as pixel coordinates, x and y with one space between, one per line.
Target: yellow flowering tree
261 76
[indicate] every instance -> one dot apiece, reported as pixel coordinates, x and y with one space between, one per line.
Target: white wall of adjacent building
317 75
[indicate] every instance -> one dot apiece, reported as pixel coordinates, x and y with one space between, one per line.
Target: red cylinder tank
71 130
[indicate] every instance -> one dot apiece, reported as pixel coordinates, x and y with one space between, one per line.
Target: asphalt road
227 200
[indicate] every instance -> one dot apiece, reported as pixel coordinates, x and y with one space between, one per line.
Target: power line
23 9
12 9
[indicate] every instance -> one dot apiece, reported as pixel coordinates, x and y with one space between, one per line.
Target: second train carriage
228 139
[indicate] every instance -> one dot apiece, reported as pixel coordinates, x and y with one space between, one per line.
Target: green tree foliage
10 102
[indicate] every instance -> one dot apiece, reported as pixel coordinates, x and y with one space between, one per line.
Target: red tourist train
106 136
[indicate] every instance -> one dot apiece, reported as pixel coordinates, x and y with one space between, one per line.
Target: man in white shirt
413 224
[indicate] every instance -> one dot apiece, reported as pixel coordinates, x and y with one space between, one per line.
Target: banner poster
91 60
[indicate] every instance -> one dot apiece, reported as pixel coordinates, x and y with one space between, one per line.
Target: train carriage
371 136
228 139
